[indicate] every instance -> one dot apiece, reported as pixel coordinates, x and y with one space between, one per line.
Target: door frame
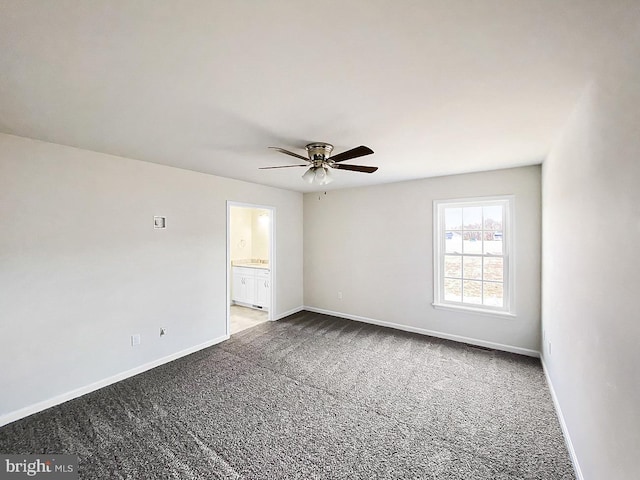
272 258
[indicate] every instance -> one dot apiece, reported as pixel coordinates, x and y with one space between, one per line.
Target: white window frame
508 239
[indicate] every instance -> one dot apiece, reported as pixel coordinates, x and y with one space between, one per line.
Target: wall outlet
135 339
163 331
339 295
549 347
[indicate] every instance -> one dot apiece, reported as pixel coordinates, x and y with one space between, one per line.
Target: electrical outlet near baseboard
135 339
339 295
549 347
163 331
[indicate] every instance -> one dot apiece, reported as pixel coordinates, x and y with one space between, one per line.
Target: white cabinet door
238 288
250 284
243 289
262 293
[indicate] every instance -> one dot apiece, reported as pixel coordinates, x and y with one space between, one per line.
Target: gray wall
374 244
82 269
591 281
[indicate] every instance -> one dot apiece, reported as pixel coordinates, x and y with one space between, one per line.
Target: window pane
493 295
453 242
452 266
452 290
453 218
492 217
493 243
472 252
472 218
493 269
472 268
472 242
472 292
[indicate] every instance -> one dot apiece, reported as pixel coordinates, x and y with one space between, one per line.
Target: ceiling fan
320 161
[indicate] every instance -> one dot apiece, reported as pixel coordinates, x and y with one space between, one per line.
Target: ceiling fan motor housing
319 153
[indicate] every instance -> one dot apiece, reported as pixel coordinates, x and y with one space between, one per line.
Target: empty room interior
364 239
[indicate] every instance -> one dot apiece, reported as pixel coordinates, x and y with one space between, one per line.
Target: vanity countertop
252 265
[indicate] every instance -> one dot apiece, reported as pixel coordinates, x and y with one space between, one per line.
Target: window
473 242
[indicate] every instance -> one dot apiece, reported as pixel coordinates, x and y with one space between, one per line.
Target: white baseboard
563 424
290 312
431 333
57 400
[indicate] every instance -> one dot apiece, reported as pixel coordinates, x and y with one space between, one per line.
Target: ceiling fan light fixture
310 175
321 175
317 176
325 178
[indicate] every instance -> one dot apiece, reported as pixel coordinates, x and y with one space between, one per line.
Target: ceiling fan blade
287 152
360 151
282 166
355 168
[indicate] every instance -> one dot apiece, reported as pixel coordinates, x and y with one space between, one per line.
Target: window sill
478 311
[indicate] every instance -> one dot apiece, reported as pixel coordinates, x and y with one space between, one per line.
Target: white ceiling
433 87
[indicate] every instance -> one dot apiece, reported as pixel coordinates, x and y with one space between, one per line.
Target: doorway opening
250 265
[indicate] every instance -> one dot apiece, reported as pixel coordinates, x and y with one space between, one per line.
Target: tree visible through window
472 253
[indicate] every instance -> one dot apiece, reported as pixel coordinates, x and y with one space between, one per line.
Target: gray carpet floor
313 397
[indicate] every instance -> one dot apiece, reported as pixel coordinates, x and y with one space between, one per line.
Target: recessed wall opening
250 265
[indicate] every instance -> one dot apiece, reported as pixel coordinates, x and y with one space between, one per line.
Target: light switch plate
159 222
